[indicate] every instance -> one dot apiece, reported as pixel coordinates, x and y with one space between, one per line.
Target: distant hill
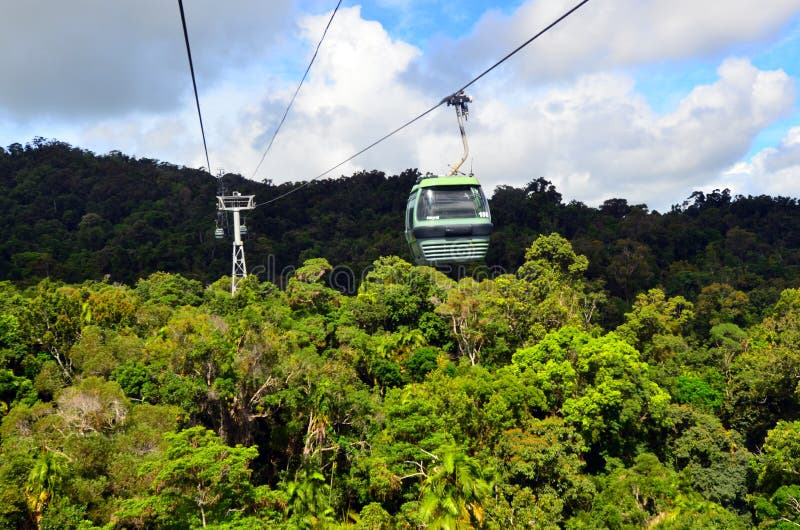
73 215
70 214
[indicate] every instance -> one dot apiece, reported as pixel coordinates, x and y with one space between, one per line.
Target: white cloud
353 94
602 35
597 138
773 171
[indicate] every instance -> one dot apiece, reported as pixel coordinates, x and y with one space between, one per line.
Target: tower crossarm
236 202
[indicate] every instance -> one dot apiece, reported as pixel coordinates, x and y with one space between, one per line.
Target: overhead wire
351 157
434 107
518 48
194 83
297 90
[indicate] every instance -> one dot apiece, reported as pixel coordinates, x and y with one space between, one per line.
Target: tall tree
44 482
197 481
454 492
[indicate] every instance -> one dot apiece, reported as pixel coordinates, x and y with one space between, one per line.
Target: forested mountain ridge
73 215
621 369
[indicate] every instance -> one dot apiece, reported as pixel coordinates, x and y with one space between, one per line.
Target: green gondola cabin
447 220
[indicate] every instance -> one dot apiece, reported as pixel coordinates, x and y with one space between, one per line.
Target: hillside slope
73 215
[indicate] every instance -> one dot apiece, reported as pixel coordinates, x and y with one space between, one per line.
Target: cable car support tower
237 203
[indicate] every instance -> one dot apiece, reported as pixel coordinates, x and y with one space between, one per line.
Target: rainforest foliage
618 368
419 402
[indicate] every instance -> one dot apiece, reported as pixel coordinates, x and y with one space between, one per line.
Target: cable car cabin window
451 202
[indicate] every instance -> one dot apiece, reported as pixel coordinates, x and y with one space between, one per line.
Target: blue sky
646 100
417 22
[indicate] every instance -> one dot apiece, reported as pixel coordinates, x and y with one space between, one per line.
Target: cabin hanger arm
460 101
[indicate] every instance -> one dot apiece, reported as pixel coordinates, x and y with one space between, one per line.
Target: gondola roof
456 180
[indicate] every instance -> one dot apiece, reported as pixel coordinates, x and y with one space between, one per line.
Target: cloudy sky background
647 100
